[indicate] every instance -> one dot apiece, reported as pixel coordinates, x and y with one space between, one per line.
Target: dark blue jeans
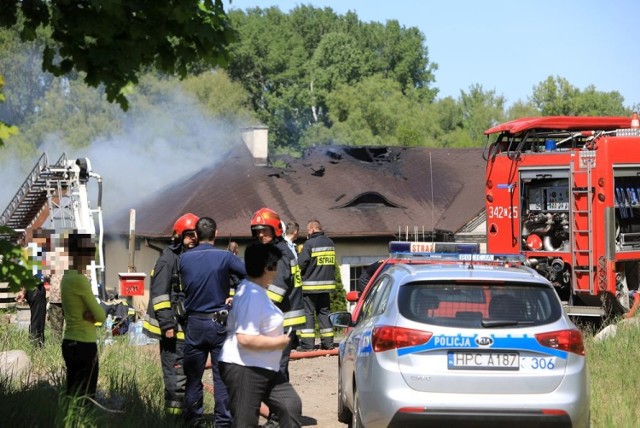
204 337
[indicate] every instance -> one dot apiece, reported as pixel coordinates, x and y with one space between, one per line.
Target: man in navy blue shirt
205 278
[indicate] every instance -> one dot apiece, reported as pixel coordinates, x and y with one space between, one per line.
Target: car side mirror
341 319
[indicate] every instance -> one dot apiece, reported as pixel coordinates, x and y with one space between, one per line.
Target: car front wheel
344 414
356 422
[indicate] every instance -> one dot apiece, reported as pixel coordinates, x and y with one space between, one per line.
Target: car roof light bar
433 247
470 259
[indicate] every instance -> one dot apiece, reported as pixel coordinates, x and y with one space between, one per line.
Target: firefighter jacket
318 264
165 308
286 290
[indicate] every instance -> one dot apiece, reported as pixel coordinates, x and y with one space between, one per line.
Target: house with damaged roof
363 196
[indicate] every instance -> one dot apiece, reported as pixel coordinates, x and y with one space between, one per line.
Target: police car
461 338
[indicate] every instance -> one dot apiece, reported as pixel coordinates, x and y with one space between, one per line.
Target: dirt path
316 380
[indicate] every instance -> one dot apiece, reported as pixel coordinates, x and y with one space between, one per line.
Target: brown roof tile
353 191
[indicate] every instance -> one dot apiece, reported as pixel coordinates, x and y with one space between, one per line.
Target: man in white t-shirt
250 357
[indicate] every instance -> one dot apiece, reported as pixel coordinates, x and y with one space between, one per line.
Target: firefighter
165 311
286 290
318 266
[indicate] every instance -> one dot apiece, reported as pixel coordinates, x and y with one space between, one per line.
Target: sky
510 46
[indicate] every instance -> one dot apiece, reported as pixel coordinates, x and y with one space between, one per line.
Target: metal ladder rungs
580 197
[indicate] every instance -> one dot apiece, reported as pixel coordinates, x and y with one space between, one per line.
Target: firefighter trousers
38 305
171 357
317 305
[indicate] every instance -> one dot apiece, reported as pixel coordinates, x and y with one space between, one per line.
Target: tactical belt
220 315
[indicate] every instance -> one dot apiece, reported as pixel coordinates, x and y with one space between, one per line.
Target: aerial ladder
56 197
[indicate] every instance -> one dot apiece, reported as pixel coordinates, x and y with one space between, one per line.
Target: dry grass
131 384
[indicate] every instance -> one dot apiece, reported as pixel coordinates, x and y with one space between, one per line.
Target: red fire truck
565 192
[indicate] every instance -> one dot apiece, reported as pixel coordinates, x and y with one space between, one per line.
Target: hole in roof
368 154
369 199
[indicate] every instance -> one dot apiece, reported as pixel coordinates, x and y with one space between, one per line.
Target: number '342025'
503 212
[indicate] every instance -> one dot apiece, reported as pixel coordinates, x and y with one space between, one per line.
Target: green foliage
130 387
112 42
15 267
312 76
292 64
376 112
73 113
480 111
21 65
557 97
613 368
522 109
220 96
5 130
338 297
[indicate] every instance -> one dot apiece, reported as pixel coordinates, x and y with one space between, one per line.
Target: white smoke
171 140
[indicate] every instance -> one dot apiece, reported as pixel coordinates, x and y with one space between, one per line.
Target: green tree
269 62
15 268
591 102
72 113
5 130
337 60
555 96
20 64
376 112
113 42
220 96
405 58
522 109
480 111
290 65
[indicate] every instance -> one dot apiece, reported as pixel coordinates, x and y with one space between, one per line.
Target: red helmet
186 222
266 217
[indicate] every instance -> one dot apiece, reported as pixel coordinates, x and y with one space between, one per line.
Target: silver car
461 341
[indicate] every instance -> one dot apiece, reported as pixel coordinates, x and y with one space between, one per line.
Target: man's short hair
315 224
259 256
292 227
206 229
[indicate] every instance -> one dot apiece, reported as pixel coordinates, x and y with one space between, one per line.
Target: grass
130 377
614 371
130 387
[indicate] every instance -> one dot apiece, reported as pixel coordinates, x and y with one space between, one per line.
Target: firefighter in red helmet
286 290
165 314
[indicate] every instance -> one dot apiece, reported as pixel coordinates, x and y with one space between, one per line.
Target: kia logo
484 341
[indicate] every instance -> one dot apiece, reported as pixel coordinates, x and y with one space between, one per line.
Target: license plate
483 360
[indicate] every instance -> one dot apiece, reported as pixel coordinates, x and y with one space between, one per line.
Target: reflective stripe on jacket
160 314
286 290
318 264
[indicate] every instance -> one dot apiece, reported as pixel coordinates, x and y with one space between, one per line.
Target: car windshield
476 305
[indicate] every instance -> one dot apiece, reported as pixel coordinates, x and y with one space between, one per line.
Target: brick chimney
256 139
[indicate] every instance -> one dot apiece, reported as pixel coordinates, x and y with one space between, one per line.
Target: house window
354 274
356 264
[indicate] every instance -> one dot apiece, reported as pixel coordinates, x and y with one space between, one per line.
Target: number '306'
541 363
503 212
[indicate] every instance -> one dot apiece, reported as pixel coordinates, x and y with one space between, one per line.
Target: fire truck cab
564 191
